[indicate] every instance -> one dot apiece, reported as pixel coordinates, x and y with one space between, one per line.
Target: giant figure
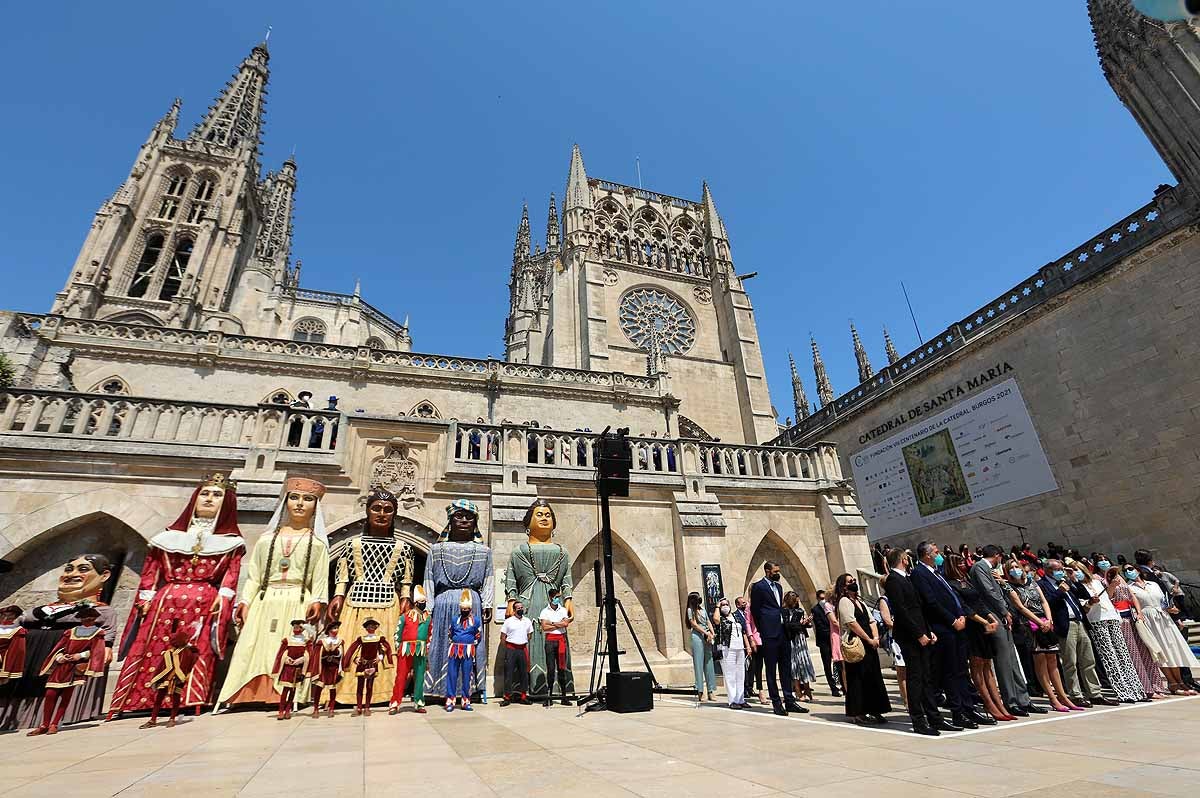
374 577
458 561
535 568
188 584
287 577
79 585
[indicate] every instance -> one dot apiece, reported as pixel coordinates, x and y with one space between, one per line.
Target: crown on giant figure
219 480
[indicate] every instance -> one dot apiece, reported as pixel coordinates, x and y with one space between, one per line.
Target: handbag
853 649
1150 641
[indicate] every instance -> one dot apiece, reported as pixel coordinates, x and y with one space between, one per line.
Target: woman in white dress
287 578
1158 623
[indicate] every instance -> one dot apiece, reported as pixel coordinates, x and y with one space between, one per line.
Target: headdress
379 494
370 622
332 625
219 480
419 595
298 622
465 603
11 609
87 611
463 505
227 520
304 485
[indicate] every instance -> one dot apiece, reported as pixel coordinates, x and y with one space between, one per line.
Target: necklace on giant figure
285 561
202 526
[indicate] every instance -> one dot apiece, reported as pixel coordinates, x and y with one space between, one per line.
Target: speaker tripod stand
596 699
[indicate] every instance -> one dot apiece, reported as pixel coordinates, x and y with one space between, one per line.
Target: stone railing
1158 218
68 414
210 346
334 298
641 193
576 451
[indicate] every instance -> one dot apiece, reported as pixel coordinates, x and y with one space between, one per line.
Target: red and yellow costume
12 651
77 656
178 662
371 648
412 648
189 580
325 666
291 664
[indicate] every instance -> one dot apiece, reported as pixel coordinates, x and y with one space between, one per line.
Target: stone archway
636 591
143 518
795 575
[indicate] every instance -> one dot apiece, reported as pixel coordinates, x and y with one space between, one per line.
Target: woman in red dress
77 657
189 581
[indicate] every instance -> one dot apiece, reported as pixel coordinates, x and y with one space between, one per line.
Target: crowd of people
973 636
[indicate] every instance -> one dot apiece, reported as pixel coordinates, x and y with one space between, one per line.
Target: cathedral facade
183 339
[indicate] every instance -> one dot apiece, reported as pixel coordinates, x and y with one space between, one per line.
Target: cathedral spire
799 400
824 388
578 194
865 372
235 118
552 227
521 246
712 220
273 247
1154 68
889 348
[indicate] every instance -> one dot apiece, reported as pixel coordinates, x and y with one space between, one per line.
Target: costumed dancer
538 568
189 579
290 662
412 648
514 643
80 584
458 561
12 644
373 650
464 634
287 575
373 577
78 656
325 666
177 664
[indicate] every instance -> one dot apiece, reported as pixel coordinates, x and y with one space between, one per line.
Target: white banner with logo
972 456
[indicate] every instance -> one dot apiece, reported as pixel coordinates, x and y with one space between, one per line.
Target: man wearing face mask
514 642
554 621
1008 672
1074 645
766 605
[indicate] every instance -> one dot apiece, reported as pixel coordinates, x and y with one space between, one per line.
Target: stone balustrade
69 414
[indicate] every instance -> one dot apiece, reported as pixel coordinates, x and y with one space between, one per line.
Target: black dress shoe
862 722
963 721
1033 709
982 719
945 725
1082 702
779 710
1018 711
504 701
878 719
922 727
837 693
792 706
1104 702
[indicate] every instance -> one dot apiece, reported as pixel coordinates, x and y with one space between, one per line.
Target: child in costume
75 658
289 667
177 664
371 649
412 645
325 666
465 634
12 644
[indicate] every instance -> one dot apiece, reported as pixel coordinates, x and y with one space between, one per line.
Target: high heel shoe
1059 708
1074 708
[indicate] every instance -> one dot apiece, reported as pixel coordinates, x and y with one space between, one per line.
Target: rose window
647 315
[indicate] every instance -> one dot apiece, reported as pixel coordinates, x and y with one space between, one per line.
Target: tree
8 373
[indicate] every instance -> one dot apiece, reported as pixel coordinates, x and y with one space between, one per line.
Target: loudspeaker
629 691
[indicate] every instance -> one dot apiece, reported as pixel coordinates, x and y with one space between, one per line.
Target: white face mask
725 609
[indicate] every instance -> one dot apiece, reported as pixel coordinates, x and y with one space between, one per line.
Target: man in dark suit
1074 645
766 605
913 635
825 644
948 619
1008 669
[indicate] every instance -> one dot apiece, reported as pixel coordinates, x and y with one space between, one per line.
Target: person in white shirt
732 645
1106 634
554 620
514 640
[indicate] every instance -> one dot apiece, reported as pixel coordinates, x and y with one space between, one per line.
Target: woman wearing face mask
702 647
866 697
1105 622
1175 651
732 645
1126 604
1013 575
796 625
1030 608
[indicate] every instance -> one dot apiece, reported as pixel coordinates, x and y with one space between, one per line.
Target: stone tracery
653 319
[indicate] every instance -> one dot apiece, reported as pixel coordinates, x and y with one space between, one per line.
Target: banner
975 455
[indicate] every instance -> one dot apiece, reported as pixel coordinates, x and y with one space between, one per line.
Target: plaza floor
678 749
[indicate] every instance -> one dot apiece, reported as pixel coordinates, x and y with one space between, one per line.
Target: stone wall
1108 372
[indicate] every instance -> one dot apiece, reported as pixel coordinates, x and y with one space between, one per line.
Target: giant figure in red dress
189 582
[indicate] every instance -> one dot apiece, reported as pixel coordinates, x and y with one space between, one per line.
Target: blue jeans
702 661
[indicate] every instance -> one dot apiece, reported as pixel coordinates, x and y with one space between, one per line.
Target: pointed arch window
145 265
176 188
198 210
375 343
310 330
176 269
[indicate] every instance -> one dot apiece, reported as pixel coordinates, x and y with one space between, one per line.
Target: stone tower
643 281
1154 67
192 230
865 372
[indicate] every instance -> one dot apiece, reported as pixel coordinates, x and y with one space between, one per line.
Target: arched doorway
794 575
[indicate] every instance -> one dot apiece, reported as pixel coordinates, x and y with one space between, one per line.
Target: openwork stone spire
824 388
799 400
235 118
865 372
579 195
521 246
552 227
274 245
712 220
1154 67
889 348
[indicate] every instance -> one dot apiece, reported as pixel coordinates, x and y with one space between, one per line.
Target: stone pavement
676 750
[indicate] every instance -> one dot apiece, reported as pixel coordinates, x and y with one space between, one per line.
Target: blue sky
955 145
